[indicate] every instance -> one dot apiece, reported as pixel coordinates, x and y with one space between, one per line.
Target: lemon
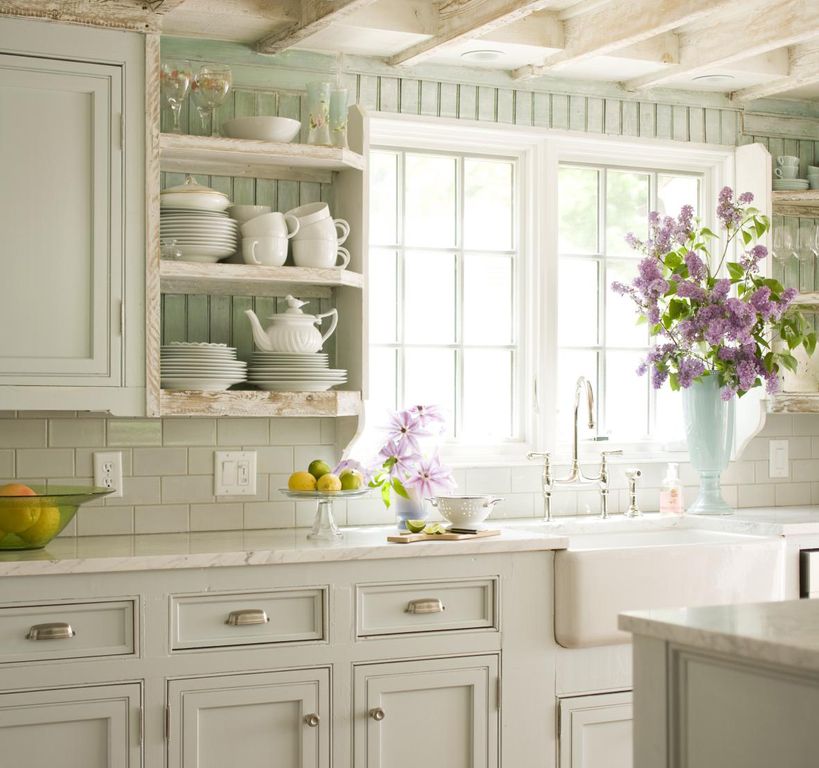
350 480
45 529
318 468
301 481
328 482
433 529
17 515
416 526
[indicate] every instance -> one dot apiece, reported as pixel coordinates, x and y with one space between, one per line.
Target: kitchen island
726 686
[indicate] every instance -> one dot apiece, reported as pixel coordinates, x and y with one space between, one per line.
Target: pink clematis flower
405 429
429 415
395 457
429 477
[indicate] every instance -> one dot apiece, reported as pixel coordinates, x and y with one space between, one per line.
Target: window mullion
602 246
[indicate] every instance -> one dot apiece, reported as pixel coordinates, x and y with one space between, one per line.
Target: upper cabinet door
60 222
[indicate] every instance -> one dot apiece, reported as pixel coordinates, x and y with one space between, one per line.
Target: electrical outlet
108 472
234 473
778 458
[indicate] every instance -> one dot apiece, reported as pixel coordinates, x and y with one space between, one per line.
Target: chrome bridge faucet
576 474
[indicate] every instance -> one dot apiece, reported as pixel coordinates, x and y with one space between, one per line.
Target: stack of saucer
791 185
295 372
200 366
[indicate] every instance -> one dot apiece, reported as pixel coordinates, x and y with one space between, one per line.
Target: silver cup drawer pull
53 630
425 605
246 617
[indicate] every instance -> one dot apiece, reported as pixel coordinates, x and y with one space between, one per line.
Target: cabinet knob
425 605
247 616
377 714
55 630
312 720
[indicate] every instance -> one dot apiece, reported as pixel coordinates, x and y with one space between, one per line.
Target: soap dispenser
671 496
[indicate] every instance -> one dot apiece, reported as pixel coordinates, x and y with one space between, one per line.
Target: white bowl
466 511
279 129
243 213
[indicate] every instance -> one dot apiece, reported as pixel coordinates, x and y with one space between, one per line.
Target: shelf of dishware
264 404
804 203
794 402
808 301
257 159
189 277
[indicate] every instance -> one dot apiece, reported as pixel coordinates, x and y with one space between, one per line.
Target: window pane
621 313
488 204
430 200
429 379
487 299
673 192
668 416
571 365
577 229
429 297
383 296
487 411
383 377
627 196
383 197
626 397
577 302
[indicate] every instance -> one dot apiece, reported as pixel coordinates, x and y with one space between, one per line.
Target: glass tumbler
318 110
338 117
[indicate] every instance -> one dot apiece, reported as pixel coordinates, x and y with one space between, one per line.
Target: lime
350 480
45 529
328 482
318 468
434 529
416 526
301 481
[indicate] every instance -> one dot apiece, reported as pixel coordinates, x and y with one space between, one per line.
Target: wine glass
209 89
807 258
174 81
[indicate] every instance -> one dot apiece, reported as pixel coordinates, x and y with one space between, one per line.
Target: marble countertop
105 554
766 521
784 633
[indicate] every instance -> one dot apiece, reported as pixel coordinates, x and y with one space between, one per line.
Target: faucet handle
605 454
535 455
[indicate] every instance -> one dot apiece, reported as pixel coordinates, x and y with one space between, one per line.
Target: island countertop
782 633
105 554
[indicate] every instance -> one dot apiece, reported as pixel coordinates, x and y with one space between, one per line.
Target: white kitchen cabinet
72 126
93 727
436 713
251 720
595 731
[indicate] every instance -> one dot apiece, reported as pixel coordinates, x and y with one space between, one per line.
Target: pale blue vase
408 509
709 429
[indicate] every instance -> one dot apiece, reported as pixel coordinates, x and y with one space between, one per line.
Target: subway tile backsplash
168 472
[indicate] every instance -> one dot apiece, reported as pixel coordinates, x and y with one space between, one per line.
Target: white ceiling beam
116 14
316 15
804 70
754 31
460 20
603 31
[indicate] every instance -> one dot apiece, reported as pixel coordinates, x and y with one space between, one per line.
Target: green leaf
735 270
674 381
673 260
399 488
677 308
707 232
385 494
809 343
789 361
747 237
760 227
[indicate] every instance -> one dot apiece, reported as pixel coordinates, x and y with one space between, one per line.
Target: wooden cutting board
409 538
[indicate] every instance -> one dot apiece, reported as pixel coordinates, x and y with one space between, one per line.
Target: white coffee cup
320 254
265 251
271 225
787 160
316 223
786 172
244 213
813 170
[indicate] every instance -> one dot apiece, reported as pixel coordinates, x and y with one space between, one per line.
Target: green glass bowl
30 522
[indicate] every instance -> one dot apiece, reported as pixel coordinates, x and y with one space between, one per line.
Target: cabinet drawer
69 631
434 606
208 621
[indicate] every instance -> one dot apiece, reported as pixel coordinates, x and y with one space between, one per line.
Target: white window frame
540 152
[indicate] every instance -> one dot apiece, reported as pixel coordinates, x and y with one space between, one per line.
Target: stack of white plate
278 372
791 185
200 366
200 235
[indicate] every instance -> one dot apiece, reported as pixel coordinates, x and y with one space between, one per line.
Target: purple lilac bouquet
401 464
706 323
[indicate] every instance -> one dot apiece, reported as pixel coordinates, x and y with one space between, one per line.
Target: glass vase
338 117
318 113
412 508
709 429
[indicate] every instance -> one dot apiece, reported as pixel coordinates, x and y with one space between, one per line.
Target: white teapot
292 331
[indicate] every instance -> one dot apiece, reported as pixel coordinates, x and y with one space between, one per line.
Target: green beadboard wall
275 85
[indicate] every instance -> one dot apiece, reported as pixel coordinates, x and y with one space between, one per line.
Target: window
444 271
597 334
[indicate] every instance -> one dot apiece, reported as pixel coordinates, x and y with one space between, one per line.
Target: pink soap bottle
671 496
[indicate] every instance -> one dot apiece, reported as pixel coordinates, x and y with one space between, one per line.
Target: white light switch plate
778 458
234 473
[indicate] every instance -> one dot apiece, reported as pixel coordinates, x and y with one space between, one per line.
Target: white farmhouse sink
602 574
